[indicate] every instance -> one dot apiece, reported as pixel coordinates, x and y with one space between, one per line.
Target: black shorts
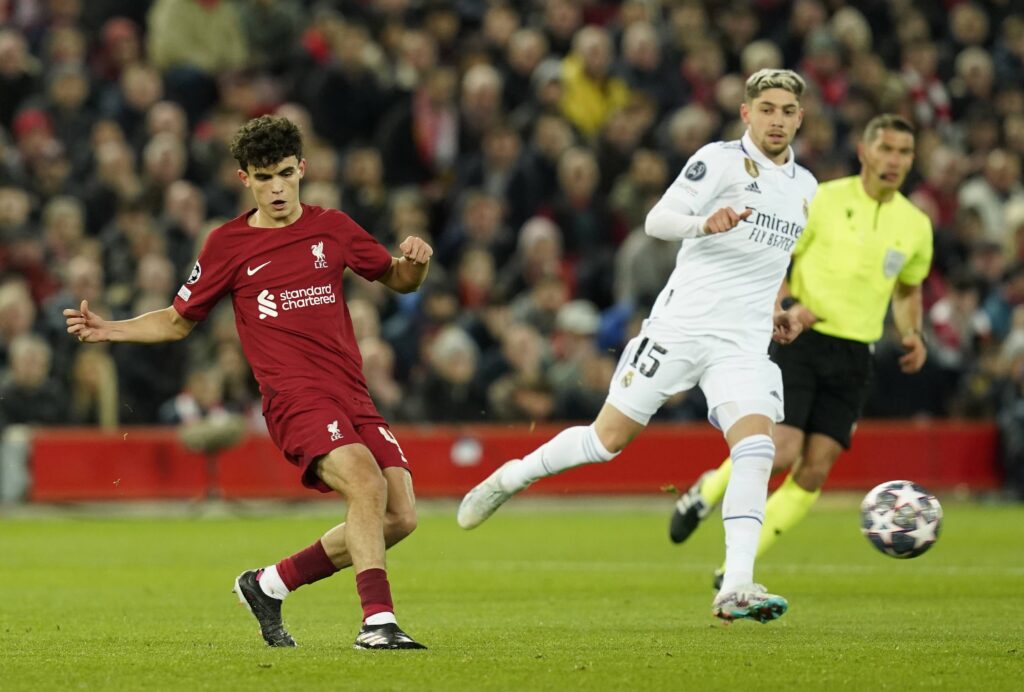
826 381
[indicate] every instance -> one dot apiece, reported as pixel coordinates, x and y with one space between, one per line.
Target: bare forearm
907 309
408 275
151 328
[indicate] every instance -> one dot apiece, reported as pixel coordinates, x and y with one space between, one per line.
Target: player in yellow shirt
864 245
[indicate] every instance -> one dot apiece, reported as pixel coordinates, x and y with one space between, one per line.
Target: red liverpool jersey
285 285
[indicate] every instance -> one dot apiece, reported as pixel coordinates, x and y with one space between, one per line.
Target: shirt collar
751 150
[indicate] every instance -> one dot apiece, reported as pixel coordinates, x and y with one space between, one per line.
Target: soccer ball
900 518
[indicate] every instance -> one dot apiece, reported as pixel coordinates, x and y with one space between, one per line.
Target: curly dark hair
265 140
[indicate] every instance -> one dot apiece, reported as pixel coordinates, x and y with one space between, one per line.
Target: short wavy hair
265 140
770 78
887 121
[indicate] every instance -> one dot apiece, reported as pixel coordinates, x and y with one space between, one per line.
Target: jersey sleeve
699 183
917 267
364 254
211 279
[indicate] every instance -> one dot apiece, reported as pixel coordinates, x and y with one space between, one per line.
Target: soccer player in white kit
739 208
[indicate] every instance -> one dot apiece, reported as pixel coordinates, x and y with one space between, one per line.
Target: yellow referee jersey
851 254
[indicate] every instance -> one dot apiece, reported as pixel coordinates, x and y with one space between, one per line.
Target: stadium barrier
85 464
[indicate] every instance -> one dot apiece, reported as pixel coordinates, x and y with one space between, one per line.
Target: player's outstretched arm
151 328
408 271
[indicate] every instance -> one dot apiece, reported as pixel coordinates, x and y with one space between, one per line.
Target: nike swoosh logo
250 271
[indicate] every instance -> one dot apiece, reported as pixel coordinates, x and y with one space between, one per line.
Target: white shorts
736 383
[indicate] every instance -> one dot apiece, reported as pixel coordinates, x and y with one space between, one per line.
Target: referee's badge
627 379
894 260
751 168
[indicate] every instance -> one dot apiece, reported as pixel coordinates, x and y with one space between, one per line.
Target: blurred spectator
930 97
538 255
120 46
28 394
17 314
271 31
959 327
989 192
19 74
688 129
93 388
643 68
204 424
590 229
363 194
502 171
191 41
1001 303
480 108
481 225
348 99
638 189
449 390
591 93
525 50
418 137
183 221
524 392
379 370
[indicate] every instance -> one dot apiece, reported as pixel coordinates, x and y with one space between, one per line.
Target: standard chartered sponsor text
307 297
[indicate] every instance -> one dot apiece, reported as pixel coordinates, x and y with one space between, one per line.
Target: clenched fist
416 250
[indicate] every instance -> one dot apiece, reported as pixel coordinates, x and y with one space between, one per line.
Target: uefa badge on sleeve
695 171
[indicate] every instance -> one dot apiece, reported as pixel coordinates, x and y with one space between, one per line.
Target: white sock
271 583
381 619
571 447
743 507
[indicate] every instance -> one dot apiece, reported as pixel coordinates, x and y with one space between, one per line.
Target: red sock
306 567
374 592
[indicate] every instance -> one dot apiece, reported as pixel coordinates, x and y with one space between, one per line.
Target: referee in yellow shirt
864 245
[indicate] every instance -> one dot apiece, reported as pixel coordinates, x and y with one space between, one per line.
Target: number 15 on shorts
647 358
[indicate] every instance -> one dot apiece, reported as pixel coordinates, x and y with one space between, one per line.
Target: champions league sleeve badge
695 171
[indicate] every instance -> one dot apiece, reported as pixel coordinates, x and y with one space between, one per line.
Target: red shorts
307 425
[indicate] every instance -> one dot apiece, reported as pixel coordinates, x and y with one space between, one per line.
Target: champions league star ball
900 518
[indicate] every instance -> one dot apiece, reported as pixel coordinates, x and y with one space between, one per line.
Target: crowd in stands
524 140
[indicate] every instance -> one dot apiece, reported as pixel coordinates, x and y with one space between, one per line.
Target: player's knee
811 476
398 525
354 473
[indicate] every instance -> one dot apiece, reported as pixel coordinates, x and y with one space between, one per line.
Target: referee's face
886 160
773 118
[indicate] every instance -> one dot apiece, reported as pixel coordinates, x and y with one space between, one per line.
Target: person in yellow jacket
589 93
865 245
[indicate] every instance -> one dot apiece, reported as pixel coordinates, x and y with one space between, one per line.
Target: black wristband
788 302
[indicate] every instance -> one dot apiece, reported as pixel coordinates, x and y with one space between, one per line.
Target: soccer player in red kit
282 263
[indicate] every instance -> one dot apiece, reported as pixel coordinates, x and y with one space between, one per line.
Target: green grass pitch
545 596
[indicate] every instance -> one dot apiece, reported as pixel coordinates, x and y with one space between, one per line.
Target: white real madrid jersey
725 284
